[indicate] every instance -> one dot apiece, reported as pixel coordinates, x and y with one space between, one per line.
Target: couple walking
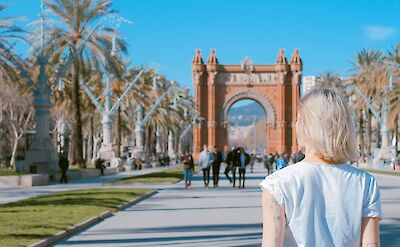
237 158
210 159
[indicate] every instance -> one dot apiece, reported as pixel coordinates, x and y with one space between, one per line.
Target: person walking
270 160
322 200
285 157
244 160
279 162
229 163
225 161
252 161
188 169
99 164
63 163
299 156
235 164
216 165
205 161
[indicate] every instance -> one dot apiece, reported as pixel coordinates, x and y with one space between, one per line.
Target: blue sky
165 33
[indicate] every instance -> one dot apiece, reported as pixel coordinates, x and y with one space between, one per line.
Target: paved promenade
209 217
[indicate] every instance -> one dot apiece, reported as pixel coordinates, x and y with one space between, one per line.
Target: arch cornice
262 99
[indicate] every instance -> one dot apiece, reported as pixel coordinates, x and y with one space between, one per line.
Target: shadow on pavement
172 240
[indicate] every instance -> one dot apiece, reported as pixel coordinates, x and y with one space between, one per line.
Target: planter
28 180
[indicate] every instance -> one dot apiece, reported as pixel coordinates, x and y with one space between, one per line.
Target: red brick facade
275 87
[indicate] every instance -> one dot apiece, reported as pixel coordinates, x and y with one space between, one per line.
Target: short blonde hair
325 126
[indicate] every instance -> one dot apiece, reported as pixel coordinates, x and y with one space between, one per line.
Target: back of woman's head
325 126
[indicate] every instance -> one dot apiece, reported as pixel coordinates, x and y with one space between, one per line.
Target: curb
89 222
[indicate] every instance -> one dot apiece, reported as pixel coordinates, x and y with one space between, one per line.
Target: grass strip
28 221
170 175
393 173
8 172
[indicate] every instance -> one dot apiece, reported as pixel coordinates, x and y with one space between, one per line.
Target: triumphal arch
276 87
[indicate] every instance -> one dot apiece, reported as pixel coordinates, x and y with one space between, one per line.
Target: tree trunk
90 141
361 126
14 151
77 144
396 134
118 152
369 132
378 135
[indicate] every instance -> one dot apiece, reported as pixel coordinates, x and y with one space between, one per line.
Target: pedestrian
244 160
252 161
63 163
299 156
205 161
216 165
229 160
279 162
285 157
99 164
270 163
188 169
167 160
322 200
235 164
138 163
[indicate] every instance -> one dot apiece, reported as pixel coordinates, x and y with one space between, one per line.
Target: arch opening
246 125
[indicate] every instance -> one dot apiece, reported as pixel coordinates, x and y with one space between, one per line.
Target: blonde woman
322 200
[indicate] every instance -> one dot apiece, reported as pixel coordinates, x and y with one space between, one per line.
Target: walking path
209 217
12 194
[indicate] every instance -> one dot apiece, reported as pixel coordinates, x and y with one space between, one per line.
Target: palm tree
366 65
394 95
330 79
9 35
76 19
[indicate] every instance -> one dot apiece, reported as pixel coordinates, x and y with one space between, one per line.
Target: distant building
309 82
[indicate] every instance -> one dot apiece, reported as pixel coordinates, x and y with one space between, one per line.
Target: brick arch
263 100
275 86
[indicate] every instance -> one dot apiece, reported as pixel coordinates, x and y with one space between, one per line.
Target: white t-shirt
324 204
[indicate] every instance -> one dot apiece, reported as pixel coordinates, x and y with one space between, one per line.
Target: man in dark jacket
63 163
243 160
216 165
231 161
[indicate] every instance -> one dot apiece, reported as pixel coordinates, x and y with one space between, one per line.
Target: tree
75 21
9 34
18 112
329 79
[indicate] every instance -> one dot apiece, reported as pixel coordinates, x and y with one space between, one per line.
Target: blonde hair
325 126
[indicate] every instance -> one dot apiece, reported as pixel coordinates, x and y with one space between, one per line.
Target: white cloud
377 32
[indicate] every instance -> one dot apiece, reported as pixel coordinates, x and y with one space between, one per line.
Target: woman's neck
312 157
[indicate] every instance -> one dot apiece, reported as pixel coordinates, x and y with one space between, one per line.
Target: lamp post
107 151
141 121
42 157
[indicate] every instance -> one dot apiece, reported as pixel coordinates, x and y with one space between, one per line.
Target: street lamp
42 156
